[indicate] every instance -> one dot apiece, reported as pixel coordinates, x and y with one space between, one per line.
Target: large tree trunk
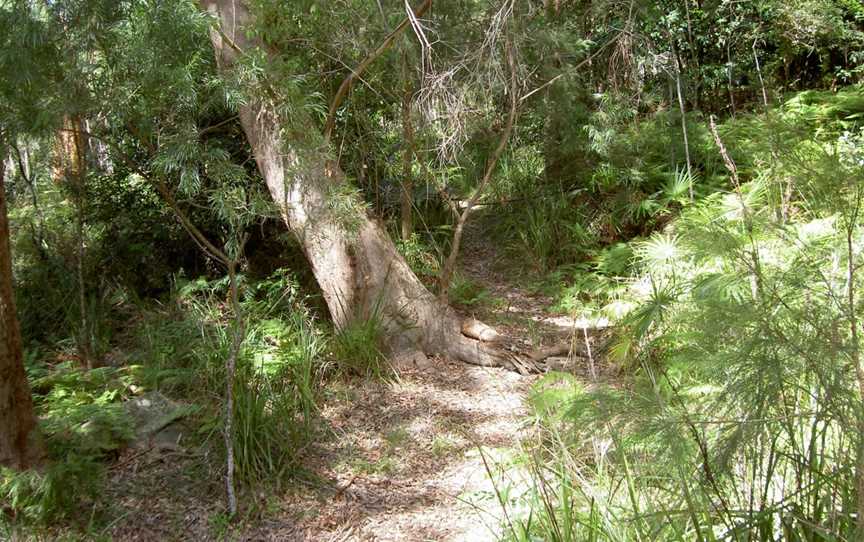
354 261
19 448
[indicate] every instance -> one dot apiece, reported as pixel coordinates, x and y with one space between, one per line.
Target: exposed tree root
481 345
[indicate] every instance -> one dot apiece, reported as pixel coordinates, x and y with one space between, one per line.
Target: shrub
58 492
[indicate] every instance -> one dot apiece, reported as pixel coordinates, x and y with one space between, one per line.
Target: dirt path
405 460
509 308
523 312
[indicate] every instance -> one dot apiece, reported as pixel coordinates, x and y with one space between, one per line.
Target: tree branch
348 82
450 264
197 235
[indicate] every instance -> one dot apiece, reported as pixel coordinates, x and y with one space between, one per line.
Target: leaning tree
356 264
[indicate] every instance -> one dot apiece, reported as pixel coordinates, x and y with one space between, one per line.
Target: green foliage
83 422
82 410
739 421
278 372
56 493
730 303
547 231
633 180
346 207
179 348
420 257
466 292
266 431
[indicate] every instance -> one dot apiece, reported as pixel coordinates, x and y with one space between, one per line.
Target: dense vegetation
689 174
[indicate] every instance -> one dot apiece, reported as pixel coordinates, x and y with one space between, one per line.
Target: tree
19 447
357 266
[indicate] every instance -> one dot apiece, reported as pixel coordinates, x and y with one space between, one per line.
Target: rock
168 439
155 418
414 359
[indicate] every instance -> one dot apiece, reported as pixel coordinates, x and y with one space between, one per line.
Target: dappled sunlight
473 272
404 454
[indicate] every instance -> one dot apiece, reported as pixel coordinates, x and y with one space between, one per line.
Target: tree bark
358 268
79 175
70 166
230 377
19 445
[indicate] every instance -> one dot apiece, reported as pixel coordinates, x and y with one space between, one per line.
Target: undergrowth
737 323
177 348
358 348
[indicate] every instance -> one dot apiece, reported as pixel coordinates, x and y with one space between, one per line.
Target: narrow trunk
683 112
85 345
693 56
855 354
230 373
19 446
450 264
37 224
759 73
70 166
408 153
354 261
729 79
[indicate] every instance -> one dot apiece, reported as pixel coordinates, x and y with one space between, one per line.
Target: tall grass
358 348
278 369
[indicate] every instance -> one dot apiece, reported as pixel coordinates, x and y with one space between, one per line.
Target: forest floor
407 458
401 460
